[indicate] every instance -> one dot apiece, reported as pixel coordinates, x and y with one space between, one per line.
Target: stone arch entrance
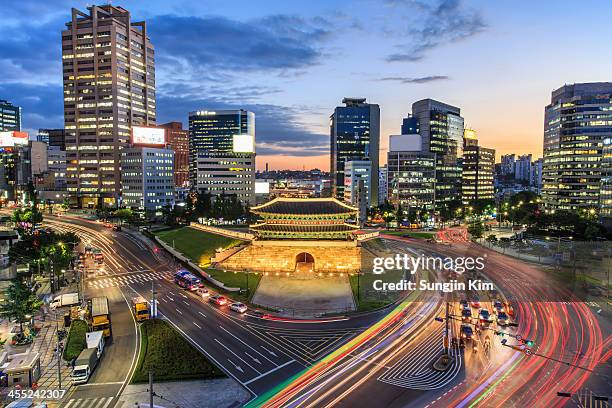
304 262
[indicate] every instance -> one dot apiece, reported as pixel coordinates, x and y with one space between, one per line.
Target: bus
187 281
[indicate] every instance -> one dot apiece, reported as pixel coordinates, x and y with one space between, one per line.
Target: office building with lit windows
177 139
357 182
576 123
411 175
222 153
605 191
10 116
355 135
109 86
147 178
478 169
441 128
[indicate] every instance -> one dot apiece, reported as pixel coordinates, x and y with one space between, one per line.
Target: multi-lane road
378 359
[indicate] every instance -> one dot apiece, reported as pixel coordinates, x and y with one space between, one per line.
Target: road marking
240 340
178 311
197 325
269 372
185 302
236 366
269 351
253 358
237 356
203 315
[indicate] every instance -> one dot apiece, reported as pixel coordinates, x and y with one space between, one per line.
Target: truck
67 299
95 340
84 365
141 309
100 315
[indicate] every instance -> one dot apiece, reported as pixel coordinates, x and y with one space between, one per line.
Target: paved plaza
305 298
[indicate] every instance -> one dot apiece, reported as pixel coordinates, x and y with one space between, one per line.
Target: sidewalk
224 392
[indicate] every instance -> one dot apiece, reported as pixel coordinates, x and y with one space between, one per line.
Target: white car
238 307
203 292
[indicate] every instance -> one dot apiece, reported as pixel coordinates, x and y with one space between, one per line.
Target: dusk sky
292 62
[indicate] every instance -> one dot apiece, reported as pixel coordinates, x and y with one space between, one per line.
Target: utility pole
447 334
59 355
153 301
150 388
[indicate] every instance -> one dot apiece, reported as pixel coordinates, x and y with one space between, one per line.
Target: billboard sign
149 136
243 144
12 139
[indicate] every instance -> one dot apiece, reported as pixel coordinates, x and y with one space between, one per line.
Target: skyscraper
411 175
109 86
441 129
52 137
177 139
222 153
522 169
355 135
10 116
477 171
507 164
576 123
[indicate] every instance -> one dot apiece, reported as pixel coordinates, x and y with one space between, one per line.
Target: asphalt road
259 354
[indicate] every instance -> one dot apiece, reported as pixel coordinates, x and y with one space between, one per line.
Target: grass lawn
411 234
198 245
171 358
237 280
76 340
369 298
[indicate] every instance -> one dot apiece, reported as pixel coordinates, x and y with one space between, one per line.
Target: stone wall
280 256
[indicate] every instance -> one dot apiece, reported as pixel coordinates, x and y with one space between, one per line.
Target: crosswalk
127 279
101 402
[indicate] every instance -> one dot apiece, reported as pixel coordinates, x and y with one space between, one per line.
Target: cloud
443 22
42 105
201 44
418 80
279 129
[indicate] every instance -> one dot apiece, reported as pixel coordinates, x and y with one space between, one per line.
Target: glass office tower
355 135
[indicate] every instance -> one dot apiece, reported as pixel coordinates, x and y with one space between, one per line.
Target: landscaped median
76 341
171 358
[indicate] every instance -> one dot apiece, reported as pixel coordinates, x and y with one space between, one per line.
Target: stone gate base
282 256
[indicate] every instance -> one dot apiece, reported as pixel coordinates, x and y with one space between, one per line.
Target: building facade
477 175
441 128
411 174
576 123
523 169
222 153
177 139
52 137
147 178
109 86
10 116
382 184
355 135
357 181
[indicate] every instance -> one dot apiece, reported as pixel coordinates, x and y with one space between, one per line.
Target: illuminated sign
262 187
148 136
12 139
243 144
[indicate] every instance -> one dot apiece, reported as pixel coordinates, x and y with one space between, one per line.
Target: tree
19 302
476 229
491 239
124 214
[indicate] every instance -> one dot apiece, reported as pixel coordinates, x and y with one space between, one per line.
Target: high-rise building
382 184
605 191
411 174
522 169
536 175
441 128
222 153
147 177
109 86
38 156
56 163
15 165
10 116
52 137
355 135
177 139
357 181
576 123
477 173
507 164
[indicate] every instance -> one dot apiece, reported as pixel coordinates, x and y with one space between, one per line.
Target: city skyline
301 48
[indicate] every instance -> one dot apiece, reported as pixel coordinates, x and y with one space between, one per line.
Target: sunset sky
292 62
